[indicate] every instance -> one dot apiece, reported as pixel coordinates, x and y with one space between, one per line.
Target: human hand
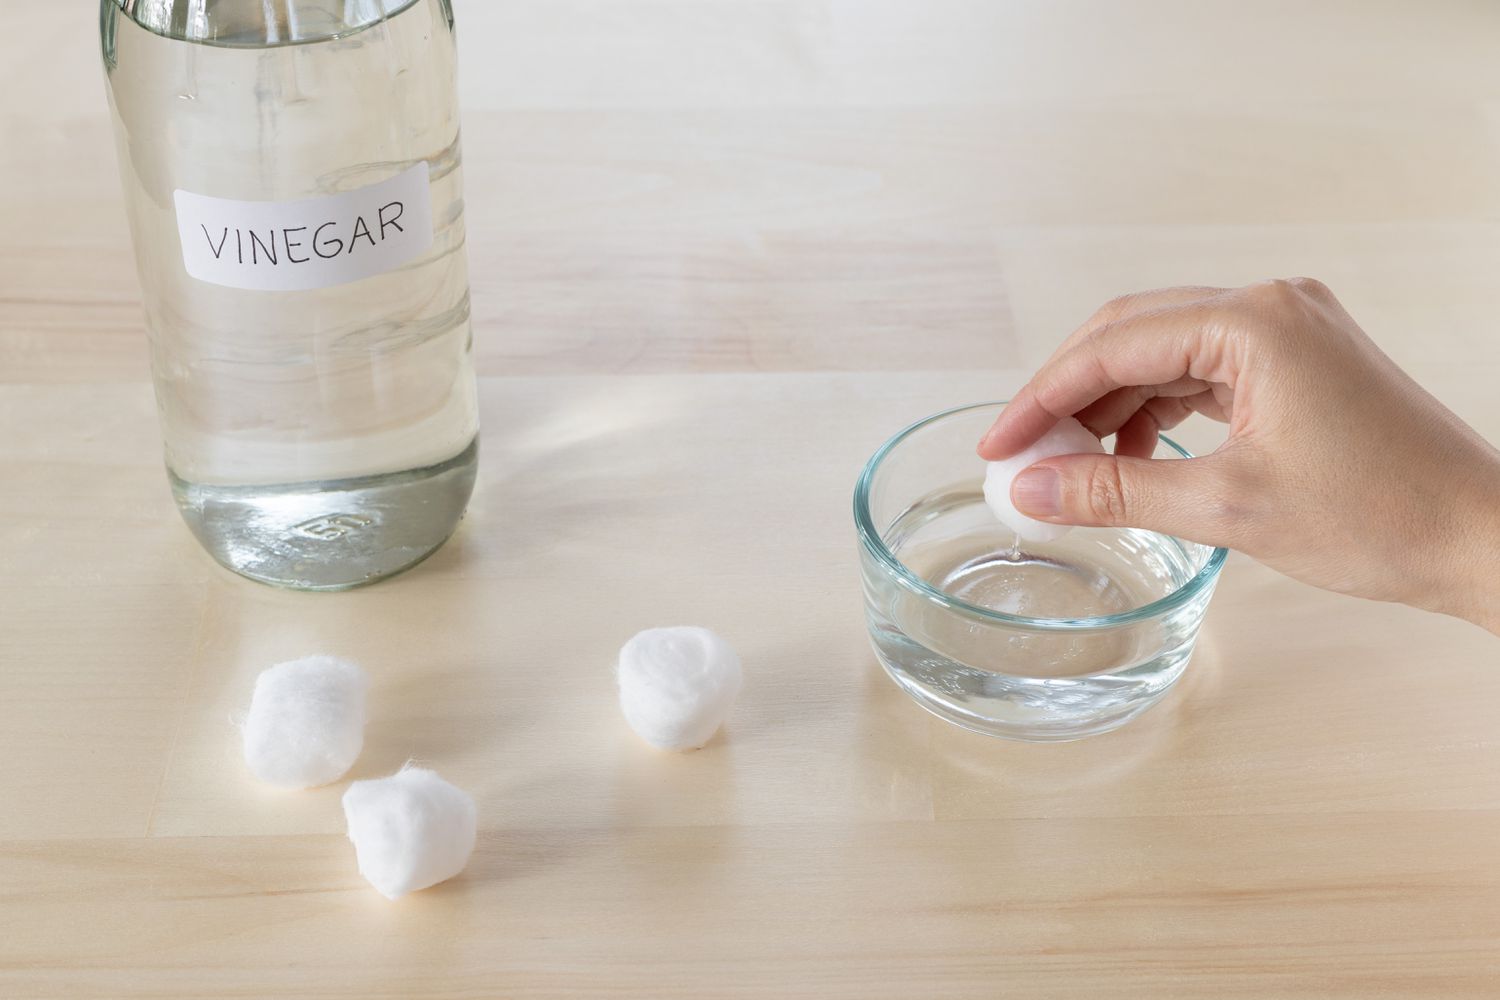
1339 469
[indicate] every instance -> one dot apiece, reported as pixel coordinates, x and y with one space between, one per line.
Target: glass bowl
1033 641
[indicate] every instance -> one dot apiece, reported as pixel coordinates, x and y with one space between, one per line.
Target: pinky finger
1208 404
1169 412
1136 438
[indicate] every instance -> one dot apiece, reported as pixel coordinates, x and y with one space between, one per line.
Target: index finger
1149 348
1124 306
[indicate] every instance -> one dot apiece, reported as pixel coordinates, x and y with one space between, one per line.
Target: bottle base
330 535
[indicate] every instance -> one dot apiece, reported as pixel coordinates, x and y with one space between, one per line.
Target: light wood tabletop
719 251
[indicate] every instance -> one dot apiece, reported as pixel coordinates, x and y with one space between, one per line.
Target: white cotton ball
306 724
677 685
1068 437
410 830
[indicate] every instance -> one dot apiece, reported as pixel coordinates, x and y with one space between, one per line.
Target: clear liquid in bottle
292 179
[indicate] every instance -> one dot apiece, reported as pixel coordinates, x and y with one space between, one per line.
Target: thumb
1183 497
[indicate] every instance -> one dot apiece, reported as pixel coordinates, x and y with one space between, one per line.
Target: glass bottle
291 176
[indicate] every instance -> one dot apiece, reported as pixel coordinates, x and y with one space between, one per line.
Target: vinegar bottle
291 176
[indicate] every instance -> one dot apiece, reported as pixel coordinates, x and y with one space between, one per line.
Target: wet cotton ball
306 724
410 830
677 685
1068 437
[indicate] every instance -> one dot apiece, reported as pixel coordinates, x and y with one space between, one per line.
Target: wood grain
719 252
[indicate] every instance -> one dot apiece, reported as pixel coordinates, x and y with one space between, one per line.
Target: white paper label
311 243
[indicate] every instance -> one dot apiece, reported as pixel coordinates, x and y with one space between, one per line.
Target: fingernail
1037 491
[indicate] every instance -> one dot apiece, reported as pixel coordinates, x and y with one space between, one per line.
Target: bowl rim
877 548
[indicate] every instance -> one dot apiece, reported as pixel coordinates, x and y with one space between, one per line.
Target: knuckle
1288 315
1108 313
1286 293
1101 494
1047 388
1311 287
1275 293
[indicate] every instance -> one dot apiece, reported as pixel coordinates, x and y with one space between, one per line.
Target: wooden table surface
719 251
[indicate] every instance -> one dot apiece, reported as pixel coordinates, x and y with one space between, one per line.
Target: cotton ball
677 685
410 830
306 723
1068 437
